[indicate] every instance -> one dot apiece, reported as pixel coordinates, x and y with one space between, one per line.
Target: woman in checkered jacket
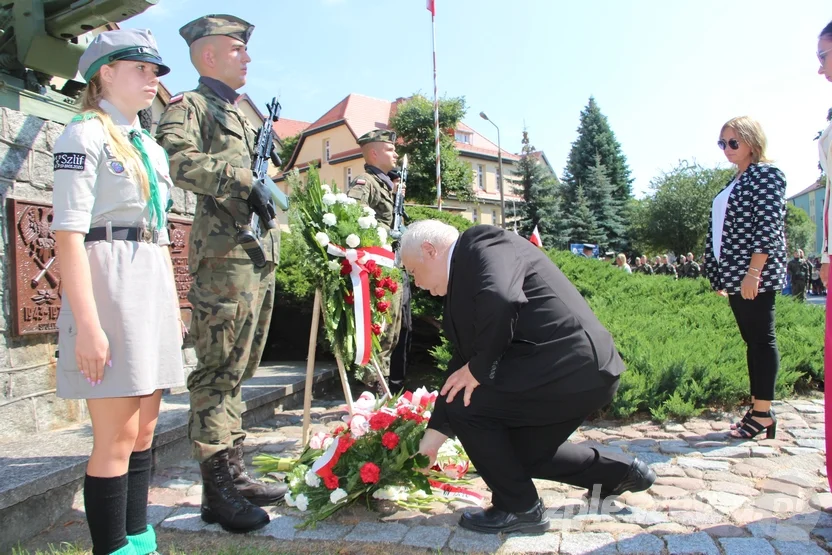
745 256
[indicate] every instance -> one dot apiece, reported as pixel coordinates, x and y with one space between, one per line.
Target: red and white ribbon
456 492
360 277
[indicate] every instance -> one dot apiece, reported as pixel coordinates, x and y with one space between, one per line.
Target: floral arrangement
375 453
352 257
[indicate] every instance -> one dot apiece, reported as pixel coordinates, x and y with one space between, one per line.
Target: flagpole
432 4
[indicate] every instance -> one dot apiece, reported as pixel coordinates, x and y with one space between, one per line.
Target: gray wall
27 364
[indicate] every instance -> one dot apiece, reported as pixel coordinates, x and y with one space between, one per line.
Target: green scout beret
377 136
217 24
121 44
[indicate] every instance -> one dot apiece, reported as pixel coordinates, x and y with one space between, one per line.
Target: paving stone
641 499
762 451
675 447
798 548
779 503
157 513
547 543
699 543
736 489
634 515
818 444
589 542
281 527
667 492
704 444
798 478
695 519
775 529
431 537
746 546
325 531
727 477
822 501
614 528
808 433
808 409
674 428
473 542
825 533
748 514
690 484
725 530
666 528
778 487
641 544
671 471
730 452
702 464
800 450
685 504
178 484
722 501
185 519
377 533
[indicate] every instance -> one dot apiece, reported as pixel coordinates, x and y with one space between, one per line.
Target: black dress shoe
495 521
639 477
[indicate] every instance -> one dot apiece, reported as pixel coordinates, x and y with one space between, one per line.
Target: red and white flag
432 7
535 238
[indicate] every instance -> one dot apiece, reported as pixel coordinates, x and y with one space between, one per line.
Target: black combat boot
255 492
222 503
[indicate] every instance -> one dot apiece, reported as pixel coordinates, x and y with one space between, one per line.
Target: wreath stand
317 310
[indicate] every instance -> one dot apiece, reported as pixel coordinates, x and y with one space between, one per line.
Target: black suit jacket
518 322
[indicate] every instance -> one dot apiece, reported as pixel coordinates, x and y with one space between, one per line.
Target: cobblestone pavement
714 495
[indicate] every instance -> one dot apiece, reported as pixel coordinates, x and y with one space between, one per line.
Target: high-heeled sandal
751 428
738 424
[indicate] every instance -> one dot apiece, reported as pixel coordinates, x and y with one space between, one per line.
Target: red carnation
406 413
382 306
376 329
393 287
376 273
370 473
390 440
344 443
381 421
371 266
380 292
348 298
346 267
383 282
331 481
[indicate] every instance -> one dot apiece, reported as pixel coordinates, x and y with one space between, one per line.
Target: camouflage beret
216 24
377 136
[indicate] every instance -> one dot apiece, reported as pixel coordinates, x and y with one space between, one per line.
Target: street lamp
500 158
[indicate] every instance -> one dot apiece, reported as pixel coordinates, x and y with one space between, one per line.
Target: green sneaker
144 543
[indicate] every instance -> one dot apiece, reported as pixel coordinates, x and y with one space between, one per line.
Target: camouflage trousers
389 339
799 291
233 302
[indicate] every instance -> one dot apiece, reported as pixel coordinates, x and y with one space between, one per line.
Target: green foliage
287 148
675 216
293 278
582 224
414 124
606 208
800 230
442 353
680 341
541 193
596 138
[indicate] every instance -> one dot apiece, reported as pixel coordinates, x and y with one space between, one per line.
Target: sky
666 74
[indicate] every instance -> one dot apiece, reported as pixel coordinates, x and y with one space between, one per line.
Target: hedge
678 339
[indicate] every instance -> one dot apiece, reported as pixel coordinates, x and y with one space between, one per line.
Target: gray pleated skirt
138 308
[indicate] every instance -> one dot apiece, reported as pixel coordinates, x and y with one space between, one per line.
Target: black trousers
514 437
755 319
398 358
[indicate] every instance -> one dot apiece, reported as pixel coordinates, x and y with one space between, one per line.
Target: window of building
494 219
326 150
347 178
481 177
474 216
463 137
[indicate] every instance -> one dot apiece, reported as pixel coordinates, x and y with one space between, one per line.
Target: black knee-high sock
138 482
105 500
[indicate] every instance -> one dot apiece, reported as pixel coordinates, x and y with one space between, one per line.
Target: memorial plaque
36 278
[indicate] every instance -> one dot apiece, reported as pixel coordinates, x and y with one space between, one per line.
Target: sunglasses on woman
733 143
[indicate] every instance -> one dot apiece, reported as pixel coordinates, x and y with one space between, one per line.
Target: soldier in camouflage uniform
647 269
375 189
658 267
669 268
210 144
694 270
799 271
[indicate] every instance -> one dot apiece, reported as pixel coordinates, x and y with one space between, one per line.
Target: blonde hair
122 149
621 258
751 133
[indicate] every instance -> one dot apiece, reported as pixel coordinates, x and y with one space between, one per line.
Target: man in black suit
530 363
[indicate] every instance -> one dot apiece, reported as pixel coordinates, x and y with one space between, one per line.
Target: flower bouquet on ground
376 454
353 263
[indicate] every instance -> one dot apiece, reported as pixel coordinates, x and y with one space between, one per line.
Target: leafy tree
413 123
287 148
582 224
541 195
675 216
800 230
596 138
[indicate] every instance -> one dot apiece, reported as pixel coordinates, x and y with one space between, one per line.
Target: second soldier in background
210 144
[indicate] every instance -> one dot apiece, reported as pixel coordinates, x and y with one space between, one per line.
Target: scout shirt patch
117 166
176 98
69 161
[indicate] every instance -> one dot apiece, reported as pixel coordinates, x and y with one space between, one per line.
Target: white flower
334 265
426 414
382 235
366 222
289 499
337 496
330 219
317 440
322 238
327 442
392 493
312 479
369 211
353 241
341 198
328 199
326 188
302 502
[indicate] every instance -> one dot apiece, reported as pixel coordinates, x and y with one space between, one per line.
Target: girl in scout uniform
119 333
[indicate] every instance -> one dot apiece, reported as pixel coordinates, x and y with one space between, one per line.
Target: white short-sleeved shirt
92 187
720 205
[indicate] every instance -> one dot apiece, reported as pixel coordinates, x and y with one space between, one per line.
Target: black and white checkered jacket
754 223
